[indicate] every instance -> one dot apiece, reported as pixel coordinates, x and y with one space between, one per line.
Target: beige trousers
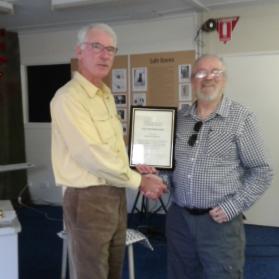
96 219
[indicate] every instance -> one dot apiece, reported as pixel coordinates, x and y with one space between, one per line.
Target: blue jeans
200 248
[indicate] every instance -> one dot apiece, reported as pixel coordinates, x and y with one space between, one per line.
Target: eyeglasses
98 48
193 138
216 73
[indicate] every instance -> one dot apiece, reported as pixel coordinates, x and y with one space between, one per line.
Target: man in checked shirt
220 171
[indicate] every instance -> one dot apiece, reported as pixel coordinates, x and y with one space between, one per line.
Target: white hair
82 33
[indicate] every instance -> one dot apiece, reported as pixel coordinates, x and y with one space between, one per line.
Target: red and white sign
225 27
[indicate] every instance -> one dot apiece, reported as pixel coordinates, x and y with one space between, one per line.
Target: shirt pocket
221 144
104 126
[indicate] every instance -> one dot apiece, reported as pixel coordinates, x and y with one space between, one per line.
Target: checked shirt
226 167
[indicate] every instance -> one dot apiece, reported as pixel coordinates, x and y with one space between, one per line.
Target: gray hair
82 33
211 56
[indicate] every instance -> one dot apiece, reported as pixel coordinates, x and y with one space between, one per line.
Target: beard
208 97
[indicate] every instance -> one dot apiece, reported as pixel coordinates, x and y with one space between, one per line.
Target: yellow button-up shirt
87 138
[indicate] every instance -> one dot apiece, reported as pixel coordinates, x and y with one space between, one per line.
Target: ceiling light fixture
6 8
64 4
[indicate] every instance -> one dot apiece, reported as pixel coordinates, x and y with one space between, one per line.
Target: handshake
152 186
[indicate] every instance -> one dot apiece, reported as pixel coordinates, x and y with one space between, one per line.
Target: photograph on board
119 80
184 72
122 114
185 93
125 128
182 105
139 99
139 79
120 100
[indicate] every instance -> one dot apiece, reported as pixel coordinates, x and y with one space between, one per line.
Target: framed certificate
151 141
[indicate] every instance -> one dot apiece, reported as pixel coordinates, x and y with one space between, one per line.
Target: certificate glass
152 136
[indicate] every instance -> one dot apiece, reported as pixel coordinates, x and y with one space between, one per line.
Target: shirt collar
222 109
90 89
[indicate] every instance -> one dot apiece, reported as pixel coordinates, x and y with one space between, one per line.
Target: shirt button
192 159
189 176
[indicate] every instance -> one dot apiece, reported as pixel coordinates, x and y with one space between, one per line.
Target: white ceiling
38 14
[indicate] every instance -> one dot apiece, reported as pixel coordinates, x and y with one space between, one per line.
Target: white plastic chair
132 236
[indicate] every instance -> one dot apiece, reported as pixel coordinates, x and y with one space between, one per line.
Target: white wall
167 34
256 30
258 90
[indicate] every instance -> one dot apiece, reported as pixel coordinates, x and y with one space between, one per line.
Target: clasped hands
152 186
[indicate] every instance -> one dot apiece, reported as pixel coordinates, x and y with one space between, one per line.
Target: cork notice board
167 77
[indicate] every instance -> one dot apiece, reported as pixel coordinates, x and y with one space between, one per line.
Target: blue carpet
40 249
262 252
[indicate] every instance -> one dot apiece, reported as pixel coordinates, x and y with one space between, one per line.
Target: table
9 229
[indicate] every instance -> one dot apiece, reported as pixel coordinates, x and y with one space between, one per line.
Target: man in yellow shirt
89 158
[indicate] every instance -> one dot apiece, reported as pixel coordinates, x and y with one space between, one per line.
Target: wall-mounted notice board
165 77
